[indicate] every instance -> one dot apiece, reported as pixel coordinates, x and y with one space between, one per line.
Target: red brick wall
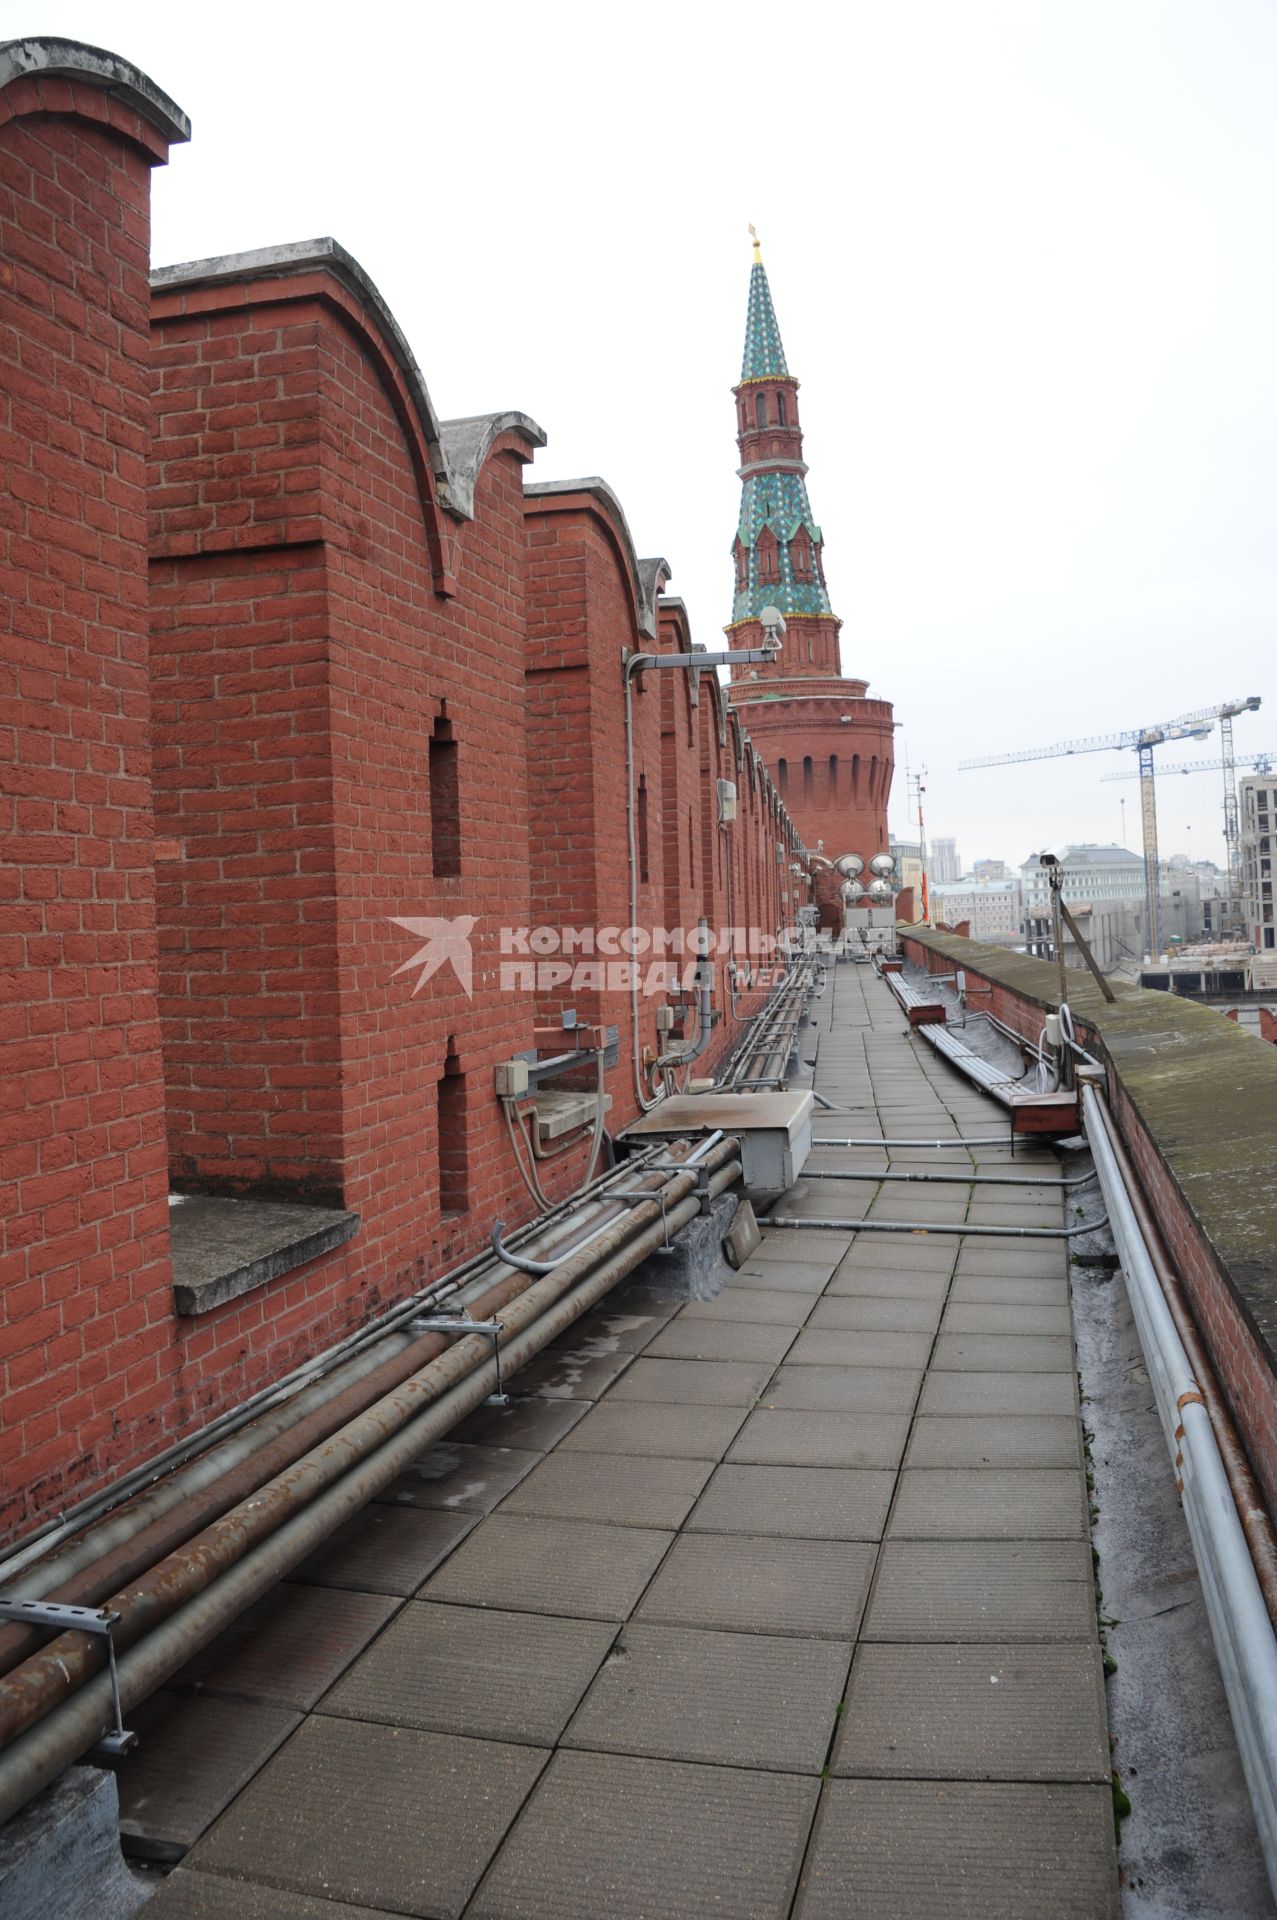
319 605
83 1252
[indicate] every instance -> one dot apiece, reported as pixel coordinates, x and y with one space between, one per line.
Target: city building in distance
1258 794
945 862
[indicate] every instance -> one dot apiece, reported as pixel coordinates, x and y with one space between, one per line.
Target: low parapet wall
1196 1101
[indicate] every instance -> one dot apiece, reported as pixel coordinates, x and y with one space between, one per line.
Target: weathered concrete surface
60 1857
223 1247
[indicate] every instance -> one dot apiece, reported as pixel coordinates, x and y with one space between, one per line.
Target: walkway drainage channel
58 1703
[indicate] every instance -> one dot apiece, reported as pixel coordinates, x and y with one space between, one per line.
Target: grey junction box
774 1130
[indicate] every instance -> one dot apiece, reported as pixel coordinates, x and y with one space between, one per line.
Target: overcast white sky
1023 259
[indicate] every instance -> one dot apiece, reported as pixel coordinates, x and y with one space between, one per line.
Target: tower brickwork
828 747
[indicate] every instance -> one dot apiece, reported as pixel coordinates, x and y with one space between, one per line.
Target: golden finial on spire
758 253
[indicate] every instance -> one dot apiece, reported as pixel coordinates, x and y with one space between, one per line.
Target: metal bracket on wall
457 1323
97 1620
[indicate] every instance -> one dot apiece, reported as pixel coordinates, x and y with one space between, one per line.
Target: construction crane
1188 726
1261 763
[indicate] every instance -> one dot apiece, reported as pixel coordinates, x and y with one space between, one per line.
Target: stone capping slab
224 1247
46 57
1204 1093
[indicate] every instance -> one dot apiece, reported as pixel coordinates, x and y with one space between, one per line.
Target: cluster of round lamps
880 889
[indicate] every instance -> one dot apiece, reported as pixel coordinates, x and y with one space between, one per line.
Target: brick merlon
550 495
467 440
50 59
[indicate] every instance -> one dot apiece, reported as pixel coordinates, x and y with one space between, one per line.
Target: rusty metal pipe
1251 1510
135 1536
30 1690
42 1751
106 1510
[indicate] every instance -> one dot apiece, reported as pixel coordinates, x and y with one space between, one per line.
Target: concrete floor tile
739 1699
634 1296
192 1758
288 1647
385 1550
799 1437
1004 1207
872 1313
651 1840
919 1850
609 1328
526 1424
383 1816
975 1713
828 1347
996 1290
964 1316
575 1568
825 1200
888 1283
187 1895
652 1429
704 1383
1001 1392
998 1503
763 1306
746 1584
945 1206
1010 1352
813 1503
802 1246
571 1373
982 1590
997 1440
1013 1260
902 1253
481 1671
806 1281
460 1478
685 1339
845 1389
648 1491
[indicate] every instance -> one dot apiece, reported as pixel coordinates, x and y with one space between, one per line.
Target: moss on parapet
1206 1092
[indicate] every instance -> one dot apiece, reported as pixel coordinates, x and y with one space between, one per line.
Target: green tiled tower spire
764 352
778 544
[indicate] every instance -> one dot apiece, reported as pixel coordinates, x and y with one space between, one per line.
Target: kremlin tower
827 747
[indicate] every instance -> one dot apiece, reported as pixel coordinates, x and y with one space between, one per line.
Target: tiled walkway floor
780 1604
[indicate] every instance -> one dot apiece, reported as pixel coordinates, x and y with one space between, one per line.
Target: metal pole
1086 954
1148 816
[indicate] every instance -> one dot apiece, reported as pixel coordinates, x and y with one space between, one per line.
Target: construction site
569 1350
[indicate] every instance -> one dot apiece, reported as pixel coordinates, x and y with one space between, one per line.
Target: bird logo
444 940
